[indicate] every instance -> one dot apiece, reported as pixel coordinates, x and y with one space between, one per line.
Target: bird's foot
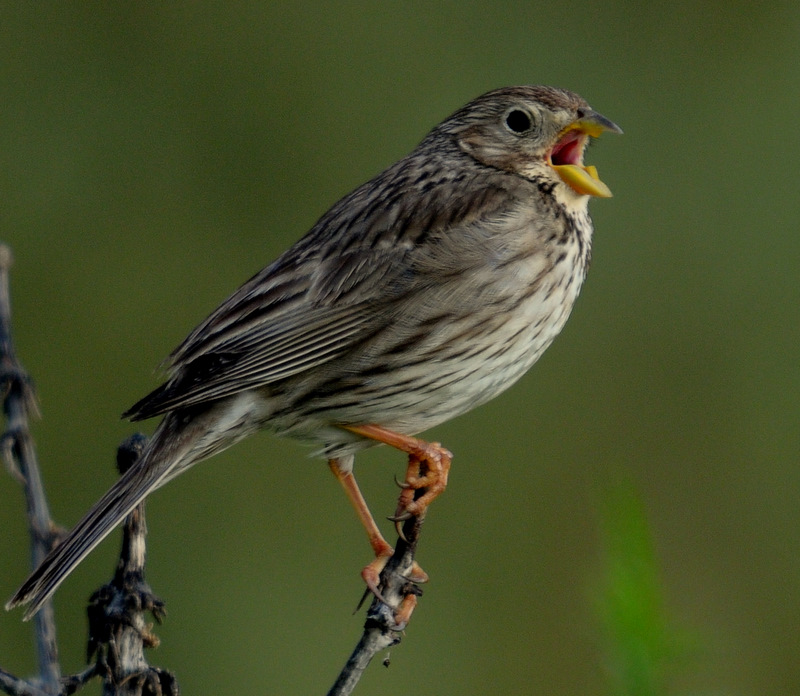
371 573
426 479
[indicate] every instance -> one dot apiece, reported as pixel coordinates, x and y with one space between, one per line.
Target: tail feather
169 450
106 514
181 440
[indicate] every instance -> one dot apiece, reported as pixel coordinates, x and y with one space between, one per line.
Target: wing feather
344 281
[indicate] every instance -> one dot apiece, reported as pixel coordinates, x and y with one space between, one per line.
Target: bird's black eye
518 121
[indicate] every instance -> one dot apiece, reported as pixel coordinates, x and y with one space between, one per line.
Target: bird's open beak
566 157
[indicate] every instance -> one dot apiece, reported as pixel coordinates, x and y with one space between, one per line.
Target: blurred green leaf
643 645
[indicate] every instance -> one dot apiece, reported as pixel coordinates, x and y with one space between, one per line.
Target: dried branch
75 682
118 631
15 686
385 622
19 456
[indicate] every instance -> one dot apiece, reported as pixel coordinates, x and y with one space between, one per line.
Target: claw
398 520
401 484
372 576
400 516
363 599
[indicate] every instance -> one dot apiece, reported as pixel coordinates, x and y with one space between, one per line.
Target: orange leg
382 549
428 468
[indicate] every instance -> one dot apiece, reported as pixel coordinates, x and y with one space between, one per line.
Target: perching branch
385 621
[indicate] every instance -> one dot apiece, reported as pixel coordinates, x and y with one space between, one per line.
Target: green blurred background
634 500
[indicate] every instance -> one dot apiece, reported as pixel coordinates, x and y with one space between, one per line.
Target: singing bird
422 294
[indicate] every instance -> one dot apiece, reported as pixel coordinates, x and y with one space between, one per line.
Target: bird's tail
160 457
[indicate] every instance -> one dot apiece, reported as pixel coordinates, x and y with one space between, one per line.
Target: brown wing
342 282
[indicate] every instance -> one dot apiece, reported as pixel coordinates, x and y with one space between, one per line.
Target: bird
422 294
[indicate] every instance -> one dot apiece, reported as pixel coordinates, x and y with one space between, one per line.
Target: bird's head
537 132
